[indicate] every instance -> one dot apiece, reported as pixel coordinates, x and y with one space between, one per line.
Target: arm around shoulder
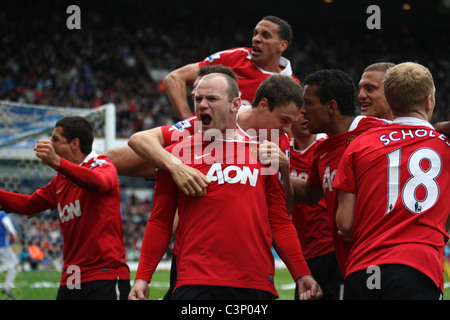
128 163
304 193
176 83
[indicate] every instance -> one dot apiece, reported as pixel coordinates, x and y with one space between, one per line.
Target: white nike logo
196 157
323 155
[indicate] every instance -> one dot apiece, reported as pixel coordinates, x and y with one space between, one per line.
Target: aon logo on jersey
232 174
328 177
70 211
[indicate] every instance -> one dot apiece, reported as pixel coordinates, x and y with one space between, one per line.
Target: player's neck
340 125
304 141
231 134
272 65
247 120
414 114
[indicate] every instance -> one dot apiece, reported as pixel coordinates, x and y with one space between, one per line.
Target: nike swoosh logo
196 157
323 155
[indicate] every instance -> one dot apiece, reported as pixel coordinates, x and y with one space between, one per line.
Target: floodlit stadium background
125 48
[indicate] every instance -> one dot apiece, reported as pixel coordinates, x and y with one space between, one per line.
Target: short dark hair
333 84
379 66
279 90
233 88
285 32
77 127
216 68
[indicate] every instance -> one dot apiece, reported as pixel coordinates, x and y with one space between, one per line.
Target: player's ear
235 104
263 105
429 103
332 107
75 144
283 46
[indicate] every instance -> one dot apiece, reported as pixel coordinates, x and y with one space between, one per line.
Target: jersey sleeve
226 57
159 227
180 130
285 238
345 178
100 177
42 199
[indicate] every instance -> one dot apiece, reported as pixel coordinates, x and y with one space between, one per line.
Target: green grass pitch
43 285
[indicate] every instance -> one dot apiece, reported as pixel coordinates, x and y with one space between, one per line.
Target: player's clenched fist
45 151
270 154
139 291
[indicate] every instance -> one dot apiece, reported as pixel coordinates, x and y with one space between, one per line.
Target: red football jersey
189 126
325 163
87 198
224 238
249 75
311 221
398 172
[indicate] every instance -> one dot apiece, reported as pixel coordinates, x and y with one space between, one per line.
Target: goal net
20 121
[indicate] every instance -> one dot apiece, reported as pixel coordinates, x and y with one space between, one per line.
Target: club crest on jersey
97 163
232 174
181 125
213 57
351 137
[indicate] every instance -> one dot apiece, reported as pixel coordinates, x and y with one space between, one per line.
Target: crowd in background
122 59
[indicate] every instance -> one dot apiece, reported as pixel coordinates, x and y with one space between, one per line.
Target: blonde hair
407 86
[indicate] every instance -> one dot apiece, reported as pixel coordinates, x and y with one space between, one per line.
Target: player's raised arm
149 145
175 84
129 164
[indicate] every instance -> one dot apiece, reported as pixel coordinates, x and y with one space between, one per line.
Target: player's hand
443 127
345 237
45 151
270 154
308 288
190 180
139 291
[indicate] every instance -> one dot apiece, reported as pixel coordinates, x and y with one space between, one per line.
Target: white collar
91 155
412 121
355 122
285 63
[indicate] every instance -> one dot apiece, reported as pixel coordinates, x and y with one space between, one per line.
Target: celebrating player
86 194
330 107
224 249
271 38
311 221
371 92
275 107
8 259
392 199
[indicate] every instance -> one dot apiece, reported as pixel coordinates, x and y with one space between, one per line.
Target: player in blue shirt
8 259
